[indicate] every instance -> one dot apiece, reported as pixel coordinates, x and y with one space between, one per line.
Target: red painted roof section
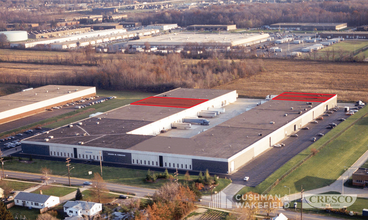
171 102
305 97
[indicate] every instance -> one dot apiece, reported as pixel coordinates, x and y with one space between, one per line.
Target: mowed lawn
327 165
133 177
17 185
348 46
54 190
348 80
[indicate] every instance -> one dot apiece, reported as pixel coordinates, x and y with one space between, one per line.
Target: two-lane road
138 191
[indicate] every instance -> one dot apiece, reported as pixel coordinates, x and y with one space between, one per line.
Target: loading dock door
326 107
161 160
294 127
75 153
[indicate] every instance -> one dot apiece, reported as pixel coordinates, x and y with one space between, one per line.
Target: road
267 163
138 191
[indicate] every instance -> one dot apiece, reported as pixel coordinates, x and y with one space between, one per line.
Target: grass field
6 89
324 168
126 176
365 165
87 196
54 190
327 165
349 46
17 185
347 80
19 213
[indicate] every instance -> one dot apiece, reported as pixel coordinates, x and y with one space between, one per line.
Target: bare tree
98 187
3 40
46 174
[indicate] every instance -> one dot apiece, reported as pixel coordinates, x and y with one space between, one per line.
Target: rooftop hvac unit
47 140
70 126
80 123
51 137
98 123
291 108
272 122
80 143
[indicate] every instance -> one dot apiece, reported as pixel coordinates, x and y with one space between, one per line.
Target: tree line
354 12
143 72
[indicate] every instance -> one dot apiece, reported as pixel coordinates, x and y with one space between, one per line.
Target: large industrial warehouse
141 133
311 26
206 40
33 101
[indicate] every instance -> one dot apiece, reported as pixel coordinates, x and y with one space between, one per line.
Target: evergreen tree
5 214
149 176
207 177
200 177
166 174
78 195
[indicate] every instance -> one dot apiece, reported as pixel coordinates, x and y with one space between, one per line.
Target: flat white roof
190 38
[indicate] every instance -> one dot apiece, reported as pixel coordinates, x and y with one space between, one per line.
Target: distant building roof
32 197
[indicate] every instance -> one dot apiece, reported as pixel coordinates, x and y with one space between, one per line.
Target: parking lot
267 163
12 141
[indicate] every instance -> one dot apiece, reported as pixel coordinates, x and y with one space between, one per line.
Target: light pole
68 165
288 188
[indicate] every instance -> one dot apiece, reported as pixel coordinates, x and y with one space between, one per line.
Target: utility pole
101 163
68 165
301 203
2 164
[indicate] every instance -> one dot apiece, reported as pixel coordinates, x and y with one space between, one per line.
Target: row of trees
146 73
354 12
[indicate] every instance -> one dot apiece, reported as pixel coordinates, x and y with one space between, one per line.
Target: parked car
123 197
87 183
314 139
341 119
294 135
305 128
320 134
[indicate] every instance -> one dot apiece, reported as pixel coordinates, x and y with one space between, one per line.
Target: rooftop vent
47 140
259 134
70 126
47 91
80 123
291 108
80 143
35 93
285 114
51 137
98 123
272 122
300 112
76 134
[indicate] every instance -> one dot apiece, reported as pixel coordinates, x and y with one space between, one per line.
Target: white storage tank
14 36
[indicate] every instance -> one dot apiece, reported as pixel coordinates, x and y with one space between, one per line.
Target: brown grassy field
348 80
38 69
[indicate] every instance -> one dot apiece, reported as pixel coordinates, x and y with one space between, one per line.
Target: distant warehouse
347 35
311 26
33 101
201 40
212 27
162 27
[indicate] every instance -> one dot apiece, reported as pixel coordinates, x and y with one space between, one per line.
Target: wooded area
354 12
145 73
